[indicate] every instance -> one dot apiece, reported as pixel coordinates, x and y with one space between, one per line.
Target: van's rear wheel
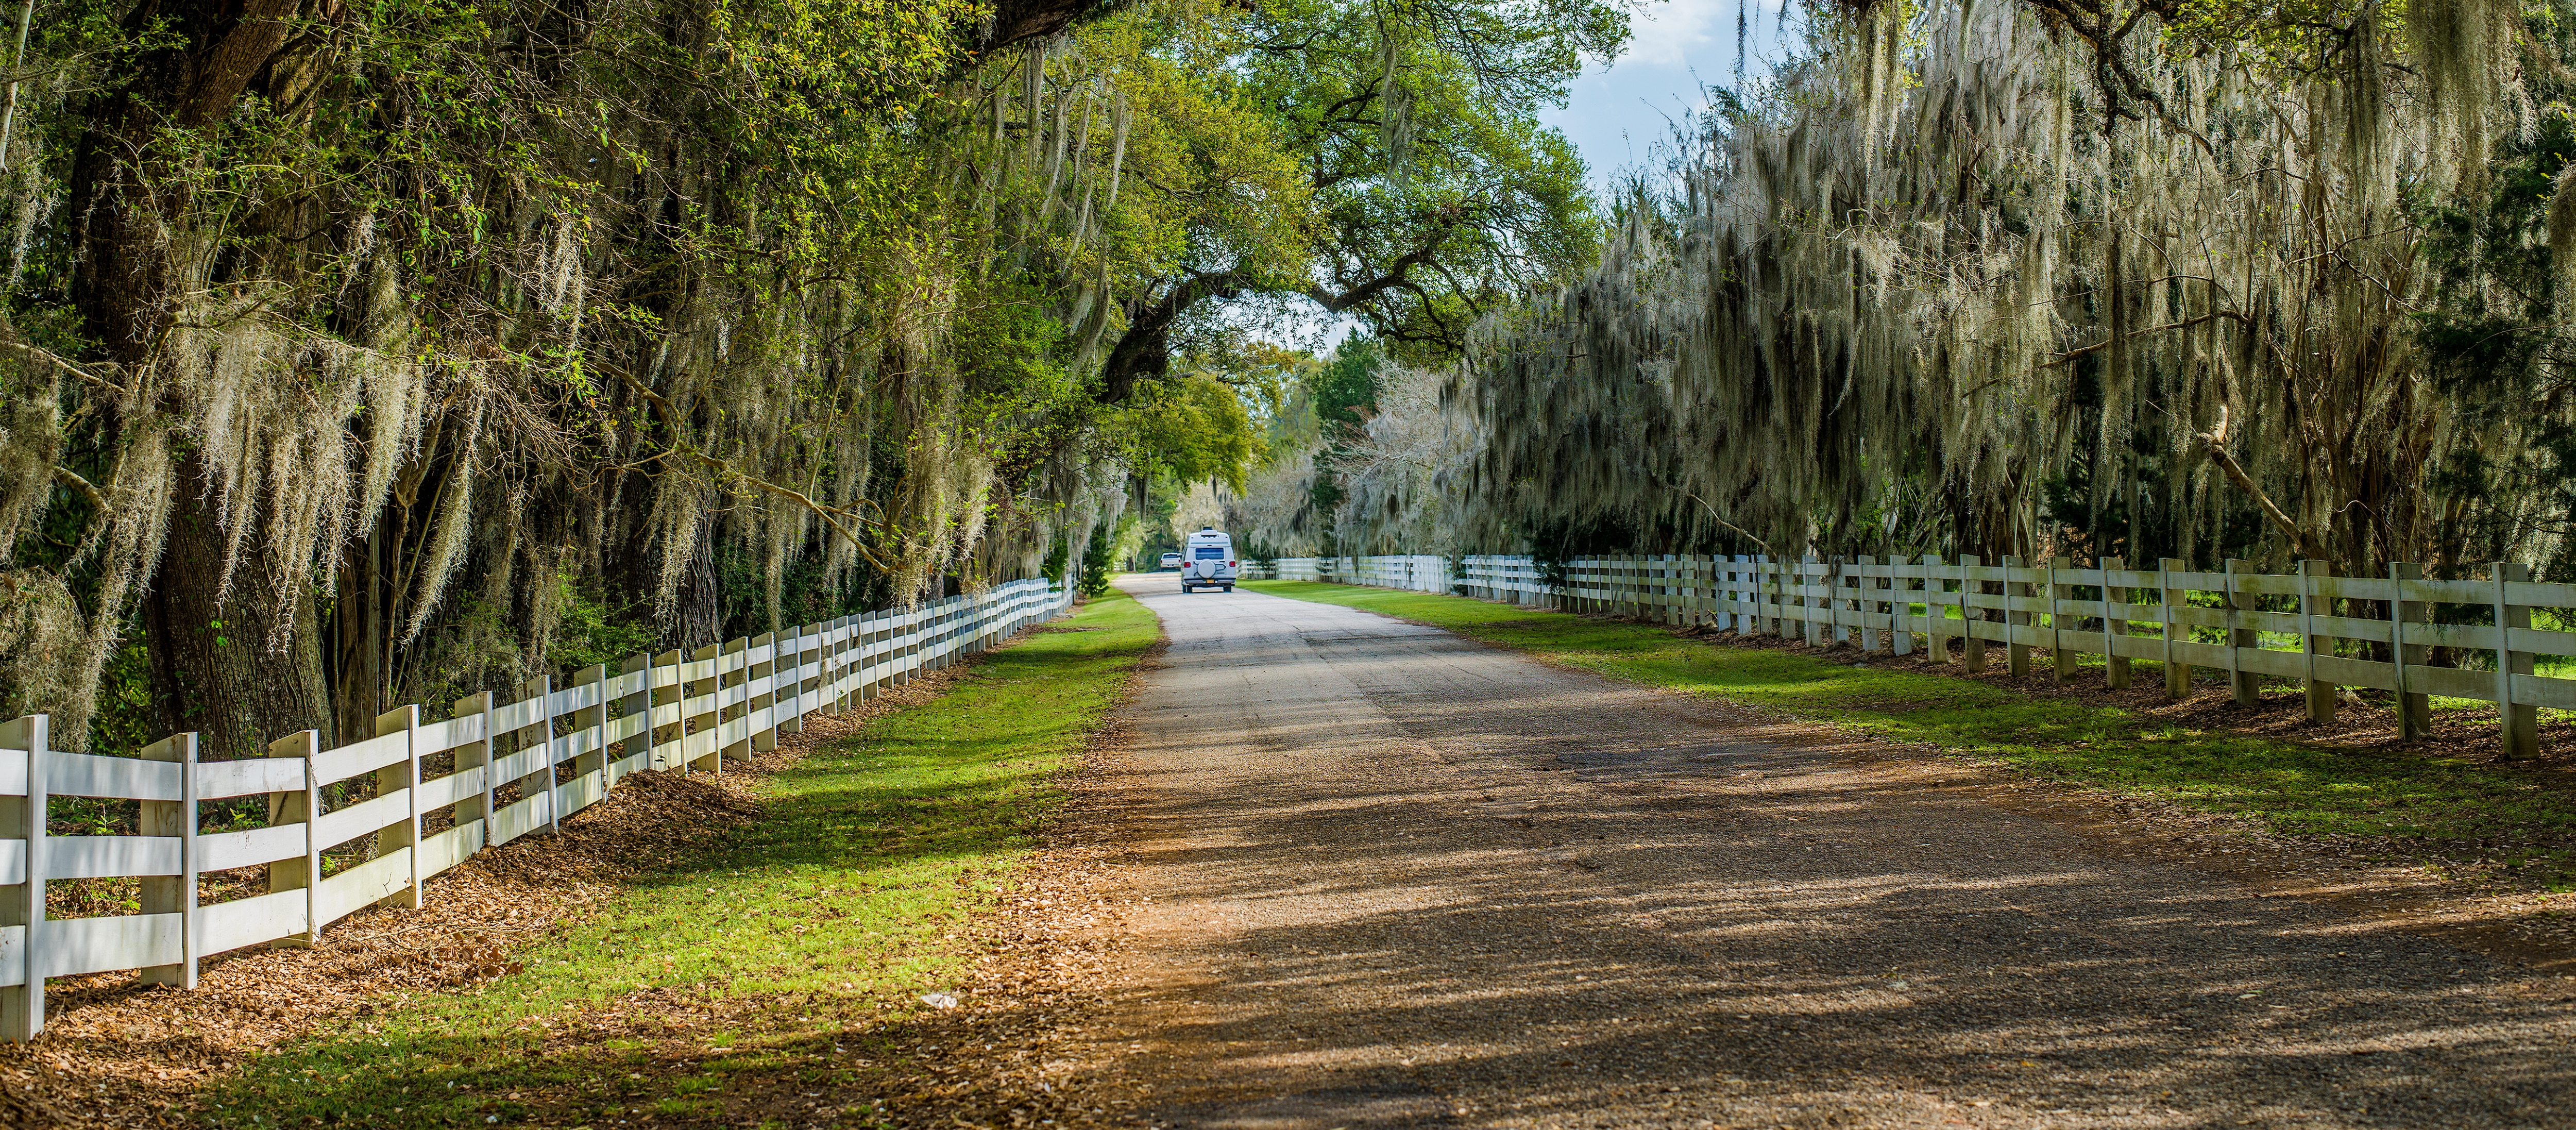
1229 588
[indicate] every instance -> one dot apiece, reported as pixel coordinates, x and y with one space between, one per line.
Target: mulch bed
117 1054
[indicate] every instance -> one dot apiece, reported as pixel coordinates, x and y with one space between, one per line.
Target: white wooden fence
2317 630
512 768
1419 572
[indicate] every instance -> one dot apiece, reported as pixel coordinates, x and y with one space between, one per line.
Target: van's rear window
1211 553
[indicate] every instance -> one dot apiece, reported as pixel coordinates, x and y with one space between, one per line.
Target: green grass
2299 789
829 913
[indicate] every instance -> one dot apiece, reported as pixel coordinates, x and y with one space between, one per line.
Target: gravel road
1396 877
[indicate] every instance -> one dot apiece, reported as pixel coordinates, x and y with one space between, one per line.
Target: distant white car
1210 563
1170 561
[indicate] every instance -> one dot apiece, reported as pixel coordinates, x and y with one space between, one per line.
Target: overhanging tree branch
725 470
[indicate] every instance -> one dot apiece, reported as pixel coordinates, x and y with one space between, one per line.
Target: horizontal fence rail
494 770
2310 627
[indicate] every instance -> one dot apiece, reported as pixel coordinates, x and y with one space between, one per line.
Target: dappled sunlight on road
1404 878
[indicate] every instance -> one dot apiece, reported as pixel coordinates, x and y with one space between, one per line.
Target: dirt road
1401 878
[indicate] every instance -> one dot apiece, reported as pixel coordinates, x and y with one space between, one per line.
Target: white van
1208 561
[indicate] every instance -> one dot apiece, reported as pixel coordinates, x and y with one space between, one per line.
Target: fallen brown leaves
1034 1035
2456 889
116 1054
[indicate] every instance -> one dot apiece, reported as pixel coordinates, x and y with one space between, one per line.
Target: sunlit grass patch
831 913
2296 788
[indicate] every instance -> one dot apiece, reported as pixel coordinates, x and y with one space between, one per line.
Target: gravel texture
1377 874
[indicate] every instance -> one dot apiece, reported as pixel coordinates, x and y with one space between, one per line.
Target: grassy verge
2305 790
777 963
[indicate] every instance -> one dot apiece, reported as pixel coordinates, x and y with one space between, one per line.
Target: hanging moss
1940 263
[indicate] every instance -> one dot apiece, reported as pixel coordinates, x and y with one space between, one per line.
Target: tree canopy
2269 279
366 353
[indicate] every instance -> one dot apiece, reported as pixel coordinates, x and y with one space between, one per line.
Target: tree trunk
358 623
212 664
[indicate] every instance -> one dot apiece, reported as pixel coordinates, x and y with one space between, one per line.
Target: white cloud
1617 113
1696 33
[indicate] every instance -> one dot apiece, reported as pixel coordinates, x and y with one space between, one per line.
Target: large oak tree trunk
359 639
229 667
232 666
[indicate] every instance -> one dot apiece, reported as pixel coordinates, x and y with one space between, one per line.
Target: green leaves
1192 428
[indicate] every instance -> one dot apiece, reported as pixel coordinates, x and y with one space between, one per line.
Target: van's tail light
1229 564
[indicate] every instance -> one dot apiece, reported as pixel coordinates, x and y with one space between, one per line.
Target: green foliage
129 713
1342 393
757 310
1191 429
2497 346
1100 562
1419 121
593 630
1059 554
1345 387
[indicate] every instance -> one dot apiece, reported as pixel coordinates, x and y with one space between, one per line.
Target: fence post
1699 590
1794 576
541 780
713 711
794 720
764 739
876 644
735 685
476 755
1936 623
2016 653
300 808
1900 608
2170 597
910 651
175 894
404 775
835 637
1838 600
1811 570
22 1007
594 719
1778 576
2115 625
2414 711
1973 649
1755 593
677 694
854 661
638 668
2518 724
1865 609
2061 649
1731 598
2240 682
2321 697
596 761
828 659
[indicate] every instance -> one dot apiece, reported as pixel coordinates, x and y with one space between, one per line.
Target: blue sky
1617 113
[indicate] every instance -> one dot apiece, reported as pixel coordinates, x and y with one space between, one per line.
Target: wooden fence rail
492 771
2319 631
